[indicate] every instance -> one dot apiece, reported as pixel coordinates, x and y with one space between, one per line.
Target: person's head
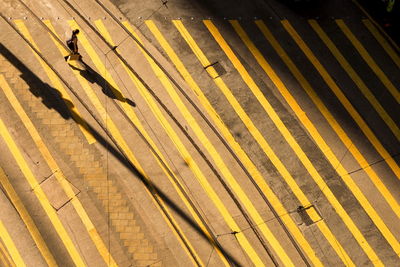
75 32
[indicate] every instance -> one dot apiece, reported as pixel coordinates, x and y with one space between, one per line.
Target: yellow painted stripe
370 61
5 258
291 141
196 170
59 175
342 172
342 98
12 249
301 114
23 213
357 80
69 245
332 122
258 220
357 155
330 119
56 83
93 233
388 48
254 172
132 116
111 125
106 35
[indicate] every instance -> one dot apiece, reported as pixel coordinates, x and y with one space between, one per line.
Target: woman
73 45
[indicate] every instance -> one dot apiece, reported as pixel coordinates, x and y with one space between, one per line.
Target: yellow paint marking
254 172
301 114
342 172
345 102
132 116
108 121
370 61
258 220
51 213
357 80
93 233
388 48
323 146
195 168
5 258
59 176
55 81
330 119
23 213
12 249
291 141
378 183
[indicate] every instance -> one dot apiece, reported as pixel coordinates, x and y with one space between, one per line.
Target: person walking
72 44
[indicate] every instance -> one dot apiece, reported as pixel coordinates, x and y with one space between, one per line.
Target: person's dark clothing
73 43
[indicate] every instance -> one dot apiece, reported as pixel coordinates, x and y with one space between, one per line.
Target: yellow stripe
388 48
55 82
370 61
197 171
357 80
5 258
345 102
110 124
23 213
11 246
120 140
301 114
334 161
105 33
58 174
93 233
331 120
289 138
357 155
238 150
41 195
258 220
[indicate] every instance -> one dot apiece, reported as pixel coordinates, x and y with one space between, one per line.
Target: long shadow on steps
52 99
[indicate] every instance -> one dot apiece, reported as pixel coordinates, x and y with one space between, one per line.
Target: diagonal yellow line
342 98
5 258
113 128
59 176
332 122
132 116
23 213
12 249
93 233
388 48
357 80
370 61
220 164
253 130
352 148
69 245
194 167
301 115
55 82
290 139
371 212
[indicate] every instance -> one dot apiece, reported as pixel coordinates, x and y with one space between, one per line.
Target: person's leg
71 47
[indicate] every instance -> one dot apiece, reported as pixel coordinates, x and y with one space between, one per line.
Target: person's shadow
93 77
